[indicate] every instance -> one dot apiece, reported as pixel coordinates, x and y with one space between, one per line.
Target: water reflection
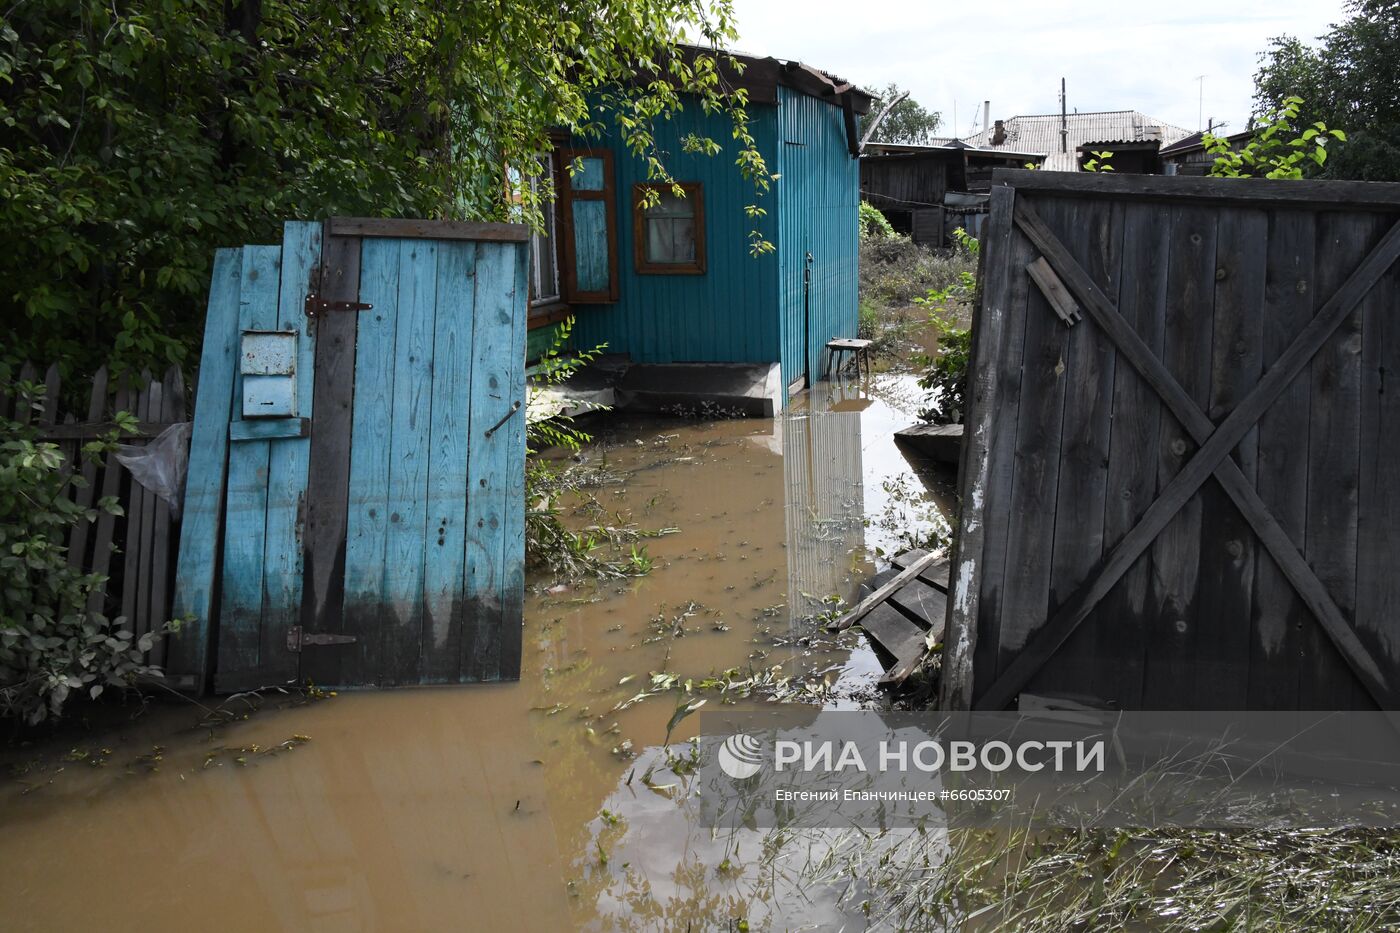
483 807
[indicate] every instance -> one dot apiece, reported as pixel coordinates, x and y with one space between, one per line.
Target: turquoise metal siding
727 314
818 194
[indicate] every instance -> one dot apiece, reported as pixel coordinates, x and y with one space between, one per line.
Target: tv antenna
1200 101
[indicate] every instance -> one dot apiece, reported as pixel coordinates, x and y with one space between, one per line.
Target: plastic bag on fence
160 465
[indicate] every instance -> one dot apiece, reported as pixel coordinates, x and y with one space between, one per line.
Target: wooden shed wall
904 182
1294 604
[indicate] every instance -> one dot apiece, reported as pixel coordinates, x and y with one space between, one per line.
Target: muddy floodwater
509 806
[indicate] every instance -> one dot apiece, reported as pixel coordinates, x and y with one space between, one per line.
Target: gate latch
298 639
315 305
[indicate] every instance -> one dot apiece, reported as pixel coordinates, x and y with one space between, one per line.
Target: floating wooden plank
921 601
881 593
935 574
897 637
444 566
201 529
940 442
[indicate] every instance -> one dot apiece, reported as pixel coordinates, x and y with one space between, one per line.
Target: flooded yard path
508 806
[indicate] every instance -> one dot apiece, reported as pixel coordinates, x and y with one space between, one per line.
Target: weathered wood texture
1185 498
138 589
904 613
376 538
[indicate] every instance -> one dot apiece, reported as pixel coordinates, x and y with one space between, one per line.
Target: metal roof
1041 133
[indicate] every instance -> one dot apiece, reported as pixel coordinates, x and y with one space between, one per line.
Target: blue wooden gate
355 503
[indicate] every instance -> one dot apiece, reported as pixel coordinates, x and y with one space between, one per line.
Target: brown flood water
503 807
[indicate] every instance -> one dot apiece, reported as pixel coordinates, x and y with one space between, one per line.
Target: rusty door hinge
315 305
298 639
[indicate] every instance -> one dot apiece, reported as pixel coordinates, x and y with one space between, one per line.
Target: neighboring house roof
1041 133
762 75
1197 141
956 146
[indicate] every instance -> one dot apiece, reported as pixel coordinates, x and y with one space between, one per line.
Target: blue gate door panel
367 516
421 446
401 602
445 554
492 461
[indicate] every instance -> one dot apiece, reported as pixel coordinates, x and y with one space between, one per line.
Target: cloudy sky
1114 56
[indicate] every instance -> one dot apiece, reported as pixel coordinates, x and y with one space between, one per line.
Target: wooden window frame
695 193
564 224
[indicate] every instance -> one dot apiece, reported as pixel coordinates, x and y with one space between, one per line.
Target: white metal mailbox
268 363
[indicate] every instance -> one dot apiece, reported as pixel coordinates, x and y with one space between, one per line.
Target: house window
670 237
544 271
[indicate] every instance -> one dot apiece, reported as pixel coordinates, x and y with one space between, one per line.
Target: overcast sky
1114 56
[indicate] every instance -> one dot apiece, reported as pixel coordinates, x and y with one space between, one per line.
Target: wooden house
926 192
679 283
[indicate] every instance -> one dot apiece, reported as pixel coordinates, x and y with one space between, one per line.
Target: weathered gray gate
1182 478
355 502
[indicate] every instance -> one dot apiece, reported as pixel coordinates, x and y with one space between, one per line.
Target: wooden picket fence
135 551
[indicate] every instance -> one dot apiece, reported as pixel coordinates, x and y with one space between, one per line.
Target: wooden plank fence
136 550
1179 487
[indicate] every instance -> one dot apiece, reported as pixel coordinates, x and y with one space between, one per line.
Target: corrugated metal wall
818 193
728 313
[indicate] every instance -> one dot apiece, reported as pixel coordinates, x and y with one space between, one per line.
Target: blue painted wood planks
431 433
444 564
409 442
287 463
367 518
494 389
245 504
194 600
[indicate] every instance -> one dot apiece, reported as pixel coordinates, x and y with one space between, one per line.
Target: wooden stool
861 348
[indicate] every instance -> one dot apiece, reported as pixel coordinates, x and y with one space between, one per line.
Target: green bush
950 311
137 137
873 223
51 645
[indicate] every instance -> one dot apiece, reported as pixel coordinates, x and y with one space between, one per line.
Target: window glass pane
589 176
544 279
670 239
672 206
